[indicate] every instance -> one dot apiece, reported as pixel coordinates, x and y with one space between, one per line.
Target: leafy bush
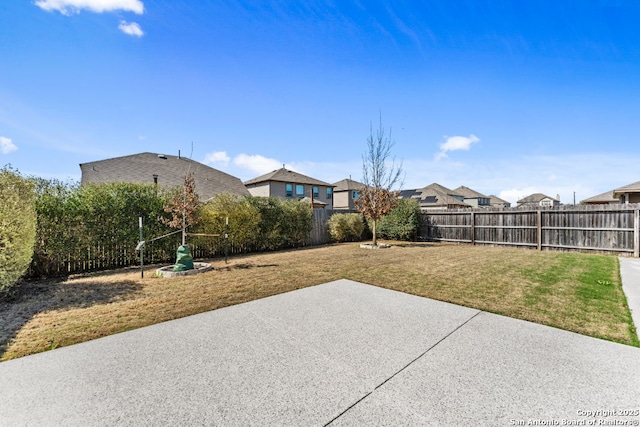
92 222
244 220
17 227
346 227
402 223
283 223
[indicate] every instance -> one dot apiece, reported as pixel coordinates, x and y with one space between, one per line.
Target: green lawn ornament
184 260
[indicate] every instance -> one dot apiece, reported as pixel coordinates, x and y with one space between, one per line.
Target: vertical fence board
609 228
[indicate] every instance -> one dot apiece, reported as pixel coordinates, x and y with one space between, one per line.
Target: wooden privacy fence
319 231
124 254
606 228
117 255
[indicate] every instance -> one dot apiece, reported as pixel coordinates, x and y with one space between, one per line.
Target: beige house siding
473 202
279 189
341 200
344 200
259 190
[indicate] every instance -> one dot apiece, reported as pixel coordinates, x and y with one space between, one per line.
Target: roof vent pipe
178 153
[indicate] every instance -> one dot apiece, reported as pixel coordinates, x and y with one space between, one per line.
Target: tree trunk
375 239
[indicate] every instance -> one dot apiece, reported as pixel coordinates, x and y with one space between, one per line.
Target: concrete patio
341 353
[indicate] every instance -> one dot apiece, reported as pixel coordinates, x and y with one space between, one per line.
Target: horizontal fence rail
609 228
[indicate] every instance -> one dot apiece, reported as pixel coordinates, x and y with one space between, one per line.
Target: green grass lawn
573 291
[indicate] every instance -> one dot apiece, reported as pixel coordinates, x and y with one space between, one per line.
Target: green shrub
244 221
283 223
17 227
94 222
402 223
346 227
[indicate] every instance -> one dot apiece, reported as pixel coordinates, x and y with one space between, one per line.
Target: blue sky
506 97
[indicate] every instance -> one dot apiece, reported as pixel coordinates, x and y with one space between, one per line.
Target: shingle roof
169 169
434 195
285 175
606 197
631 188
535 198
348 185
495 200
468 193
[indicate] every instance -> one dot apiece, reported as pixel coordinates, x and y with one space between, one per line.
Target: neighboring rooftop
348 185
435 196
468 193
536 198
497 201
166 170
604 198
631 188
286 175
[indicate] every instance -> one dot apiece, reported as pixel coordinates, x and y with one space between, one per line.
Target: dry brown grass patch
49 314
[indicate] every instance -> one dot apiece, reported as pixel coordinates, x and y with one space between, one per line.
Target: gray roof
613 195
285 175
606 197
495 200
348 185
631 188
468 193
170 170
434 195
536 198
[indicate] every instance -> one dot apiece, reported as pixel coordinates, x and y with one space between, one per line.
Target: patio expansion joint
404 367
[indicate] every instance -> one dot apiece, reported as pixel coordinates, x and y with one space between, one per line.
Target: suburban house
435 196
163 170
292 185
473 198
627 194
345 194
497 202
605 198
537 200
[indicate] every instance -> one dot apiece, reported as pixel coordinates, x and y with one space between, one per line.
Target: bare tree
380 175
182 207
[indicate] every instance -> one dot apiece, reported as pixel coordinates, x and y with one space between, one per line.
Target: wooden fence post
473 228
539 226
636 233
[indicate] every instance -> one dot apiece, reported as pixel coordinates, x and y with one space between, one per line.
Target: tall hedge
17 227
283 223
78 222
244 221
402 223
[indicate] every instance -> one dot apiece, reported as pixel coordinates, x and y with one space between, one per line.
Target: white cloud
68 7
515 194
455 143
216 158
257 163
131 28
6 146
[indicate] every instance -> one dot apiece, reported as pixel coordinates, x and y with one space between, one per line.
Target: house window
329 193
299 190
289 190
316 192
354 195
